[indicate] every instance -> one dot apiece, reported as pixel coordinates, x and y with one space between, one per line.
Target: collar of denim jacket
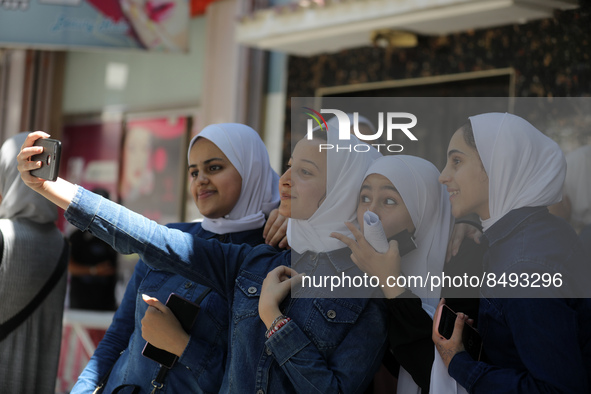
508 223
340 259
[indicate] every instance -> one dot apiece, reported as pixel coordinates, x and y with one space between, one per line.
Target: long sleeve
210 263
545 333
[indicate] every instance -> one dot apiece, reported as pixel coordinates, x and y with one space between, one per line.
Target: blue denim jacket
329 346
534 345
200 368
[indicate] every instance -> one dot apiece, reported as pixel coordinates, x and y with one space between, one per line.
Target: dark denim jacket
200 369
534 345
330 346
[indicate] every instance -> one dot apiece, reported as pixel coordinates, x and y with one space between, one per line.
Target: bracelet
277 324
277 327
277 320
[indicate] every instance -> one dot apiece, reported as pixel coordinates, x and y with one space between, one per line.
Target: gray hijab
32 242
18 200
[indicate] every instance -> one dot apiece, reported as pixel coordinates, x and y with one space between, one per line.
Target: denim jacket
329 346
200 368
533 344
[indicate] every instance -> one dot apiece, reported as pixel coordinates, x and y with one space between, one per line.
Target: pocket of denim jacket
216 308
330 320
246 296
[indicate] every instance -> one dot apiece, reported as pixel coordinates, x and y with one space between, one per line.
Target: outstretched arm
128 232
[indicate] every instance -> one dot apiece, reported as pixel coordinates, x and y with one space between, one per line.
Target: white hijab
525 168
18 200
260 183
427 202
345 172
577 185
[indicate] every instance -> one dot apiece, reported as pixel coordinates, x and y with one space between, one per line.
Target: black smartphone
49 158
470 336
186 312
406 242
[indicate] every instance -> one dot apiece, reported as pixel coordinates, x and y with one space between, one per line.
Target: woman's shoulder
468 254
546 233
251 237
187 227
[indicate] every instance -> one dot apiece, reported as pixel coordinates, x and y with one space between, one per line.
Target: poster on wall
153 166
153 25
91 149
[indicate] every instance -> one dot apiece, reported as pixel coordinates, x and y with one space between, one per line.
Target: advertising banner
153 25
153 166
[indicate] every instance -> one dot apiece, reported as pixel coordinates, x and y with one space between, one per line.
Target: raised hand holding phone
49 158
60 192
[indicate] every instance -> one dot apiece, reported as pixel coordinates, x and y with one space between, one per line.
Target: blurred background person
93 270
575 206
33 262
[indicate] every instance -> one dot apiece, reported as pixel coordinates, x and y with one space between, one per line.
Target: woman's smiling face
465 178
303 186
215 182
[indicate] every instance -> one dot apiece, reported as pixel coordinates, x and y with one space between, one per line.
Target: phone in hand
406 242
49 158
470 336
186 312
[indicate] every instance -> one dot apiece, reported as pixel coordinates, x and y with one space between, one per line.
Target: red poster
153 167
90 155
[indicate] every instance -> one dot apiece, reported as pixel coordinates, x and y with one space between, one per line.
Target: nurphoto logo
395 122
